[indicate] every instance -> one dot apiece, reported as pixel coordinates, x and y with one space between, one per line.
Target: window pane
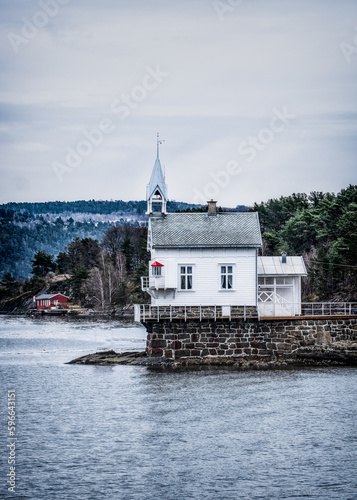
223 281
230 269
189 270
230 281
183 270
269 281
223 269
183 283
189 282
280 281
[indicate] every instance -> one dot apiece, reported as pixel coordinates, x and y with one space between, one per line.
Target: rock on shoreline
338 354
109 358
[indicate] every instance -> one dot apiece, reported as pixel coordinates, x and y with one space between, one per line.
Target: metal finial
159 141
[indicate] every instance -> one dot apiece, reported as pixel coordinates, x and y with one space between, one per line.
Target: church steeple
156 190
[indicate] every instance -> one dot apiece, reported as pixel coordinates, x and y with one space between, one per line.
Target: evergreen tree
42 264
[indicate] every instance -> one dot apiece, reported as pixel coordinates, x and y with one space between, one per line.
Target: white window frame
226 274
186 274
272 281
156 271
268 286
266 281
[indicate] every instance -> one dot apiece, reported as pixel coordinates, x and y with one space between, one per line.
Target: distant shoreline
127 314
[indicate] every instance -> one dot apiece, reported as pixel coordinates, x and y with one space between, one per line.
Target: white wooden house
212 259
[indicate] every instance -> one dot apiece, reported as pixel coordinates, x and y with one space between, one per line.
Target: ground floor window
226 277
186 277
275 289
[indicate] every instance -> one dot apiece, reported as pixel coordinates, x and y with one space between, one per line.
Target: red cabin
51 301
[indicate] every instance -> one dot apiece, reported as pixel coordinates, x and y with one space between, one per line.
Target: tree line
322 227
104 261
25 228
92 273
87 206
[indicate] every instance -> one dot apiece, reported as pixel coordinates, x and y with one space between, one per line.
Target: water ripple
125 432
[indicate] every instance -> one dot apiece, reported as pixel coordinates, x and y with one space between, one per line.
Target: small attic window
156 268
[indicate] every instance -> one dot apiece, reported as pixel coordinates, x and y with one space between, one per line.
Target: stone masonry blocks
243 338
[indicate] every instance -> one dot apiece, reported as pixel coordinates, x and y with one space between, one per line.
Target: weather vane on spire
159 141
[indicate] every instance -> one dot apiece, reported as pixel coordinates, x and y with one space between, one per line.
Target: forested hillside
101 244
26 228
125 208
323 228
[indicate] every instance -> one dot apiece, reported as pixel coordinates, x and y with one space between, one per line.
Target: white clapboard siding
206 276
171 273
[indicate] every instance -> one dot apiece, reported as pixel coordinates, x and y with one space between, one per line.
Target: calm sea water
127 432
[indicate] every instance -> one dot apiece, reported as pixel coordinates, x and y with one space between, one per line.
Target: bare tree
113 239
105 279
94 286
120 265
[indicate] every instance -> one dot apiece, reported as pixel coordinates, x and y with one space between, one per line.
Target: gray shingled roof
273 266
195 230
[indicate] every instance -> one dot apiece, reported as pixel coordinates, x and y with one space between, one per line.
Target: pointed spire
156 190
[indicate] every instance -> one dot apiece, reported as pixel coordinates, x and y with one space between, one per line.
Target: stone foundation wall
253 338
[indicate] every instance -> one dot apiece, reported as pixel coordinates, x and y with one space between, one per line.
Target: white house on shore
211 259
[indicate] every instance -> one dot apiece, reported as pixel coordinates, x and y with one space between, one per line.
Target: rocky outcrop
339 354
244 345
109 358
20 304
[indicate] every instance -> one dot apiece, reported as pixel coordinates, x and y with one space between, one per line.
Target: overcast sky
255 98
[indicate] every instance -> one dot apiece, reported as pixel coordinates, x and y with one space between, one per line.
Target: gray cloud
225 78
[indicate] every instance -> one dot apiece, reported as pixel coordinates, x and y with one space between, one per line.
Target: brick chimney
212 209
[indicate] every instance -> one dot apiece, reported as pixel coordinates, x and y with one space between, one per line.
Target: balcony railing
146 312
145 283
149 312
